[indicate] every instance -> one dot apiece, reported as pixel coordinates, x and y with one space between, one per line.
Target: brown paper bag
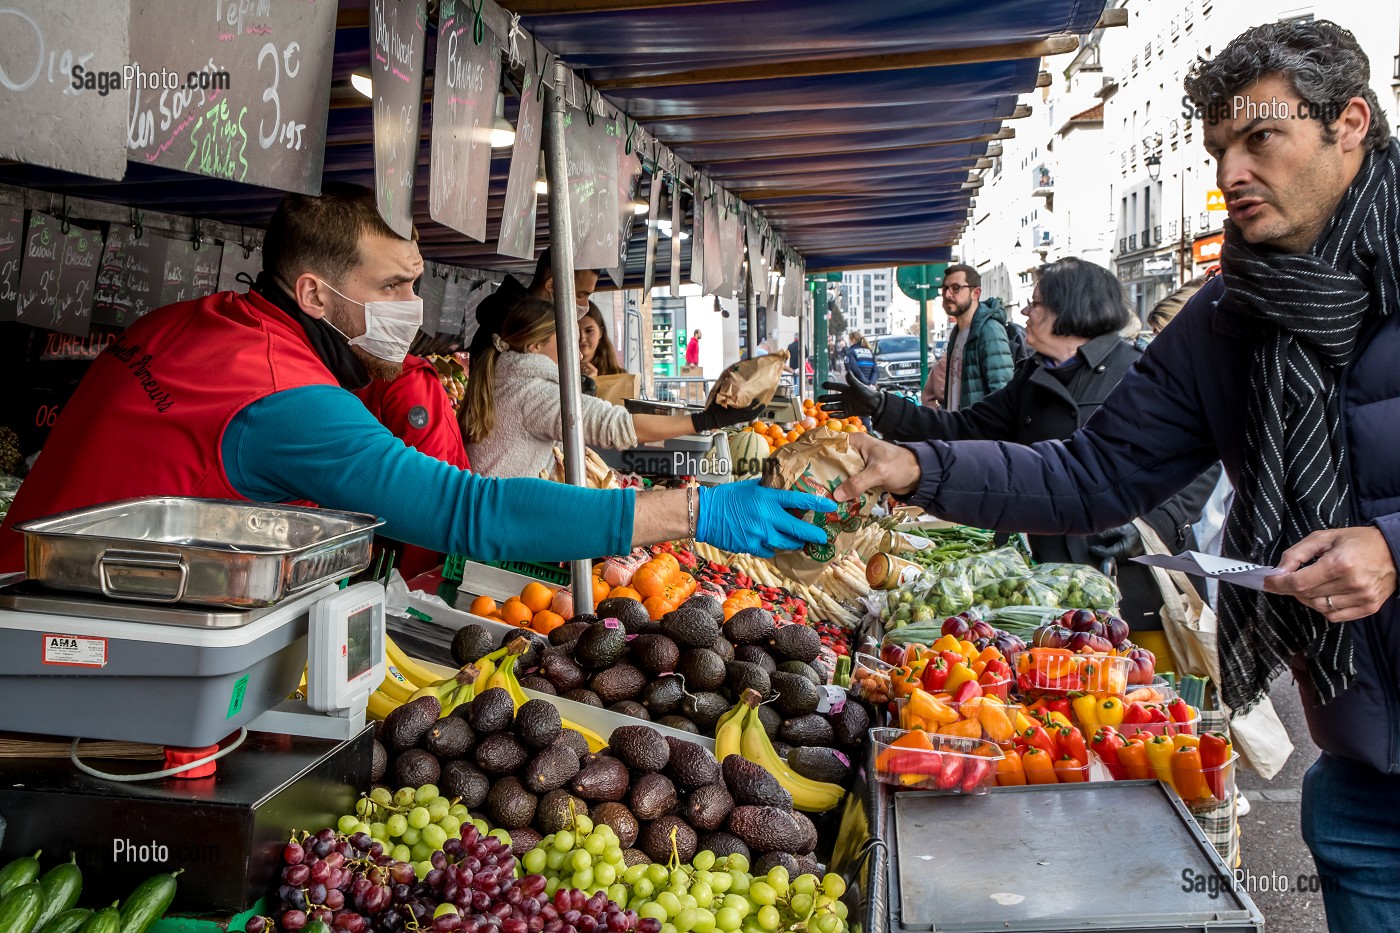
818 462
748 382
616 389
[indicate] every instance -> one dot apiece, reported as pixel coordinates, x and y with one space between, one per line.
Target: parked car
897 357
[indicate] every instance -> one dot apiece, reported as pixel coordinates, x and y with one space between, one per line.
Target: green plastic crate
453 566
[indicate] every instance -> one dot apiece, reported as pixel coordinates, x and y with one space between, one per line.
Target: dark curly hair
1320 60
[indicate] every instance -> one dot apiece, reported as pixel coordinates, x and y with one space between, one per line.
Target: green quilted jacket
987 361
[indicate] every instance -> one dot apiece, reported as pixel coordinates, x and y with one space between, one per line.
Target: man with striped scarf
1285 368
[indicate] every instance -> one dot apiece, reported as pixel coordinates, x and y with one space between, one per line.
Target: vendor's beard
382 370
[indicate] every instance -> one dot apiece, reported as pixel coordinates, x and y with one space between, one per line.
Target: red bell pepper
914 762
951 774
975 771
1037 737
1215 751
1070 741
1136 714
1181 712
935 674
967 690
952 657
1106 742
1058 705
1157 715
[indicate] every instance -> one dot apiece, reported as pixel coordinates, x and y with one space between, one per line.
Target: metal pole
565 313
923 341
819 332
751 303
801 357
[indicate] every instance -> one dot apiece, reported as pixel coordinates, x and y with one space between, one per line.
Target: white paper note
1238 572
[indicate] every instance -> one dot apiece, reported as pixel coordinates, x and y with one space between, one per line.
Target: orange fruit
793 435
656 607
669 560
546 621
625 592
536 596
600 589
853 420
483 606
497 617
515 612
756 425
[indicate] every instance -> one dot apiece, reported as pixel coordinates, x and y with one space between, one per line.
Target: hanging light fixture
502 133
541 179
640 207
362 82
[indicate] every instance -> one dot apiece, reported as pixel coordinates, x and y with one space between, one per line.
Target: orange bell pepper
1070 771
1009 770
903 681
995 720
988 654
1186 774
1038 767
967 728
1133 757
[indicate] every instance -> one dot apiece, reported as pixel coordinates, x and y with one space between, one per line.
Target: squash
749 449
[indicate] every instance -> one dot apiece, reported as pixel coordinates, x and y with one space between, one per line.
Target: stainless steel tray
202 552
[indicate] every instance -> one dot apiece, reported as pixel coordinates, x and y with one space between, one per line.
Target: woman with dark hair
1072 323
599 357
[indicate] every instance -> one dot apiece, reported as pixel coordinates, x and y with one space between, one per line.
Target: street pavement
1271 843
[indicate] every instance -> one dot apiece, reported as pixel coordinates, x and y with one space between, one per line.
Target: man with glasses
979 354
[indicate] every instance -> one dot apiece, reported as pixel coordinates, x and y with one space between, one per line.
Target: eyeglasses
954 289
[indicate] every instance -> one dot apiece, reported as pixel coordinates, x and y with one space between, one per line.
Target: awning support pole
561 245
751 307
819 331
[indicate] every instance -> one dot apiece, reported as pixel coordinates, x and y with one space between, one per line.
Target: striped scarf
1296 477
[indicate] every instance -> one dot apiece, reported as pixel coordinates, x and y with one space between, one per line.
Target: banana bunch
503 676
740 732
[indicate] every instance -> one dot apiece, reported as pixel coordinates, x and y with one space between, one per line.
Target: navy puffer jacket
1181 408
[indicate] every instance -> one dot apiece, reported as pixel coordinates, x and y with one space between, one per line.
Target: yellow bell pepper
1022 721
967 728
958 674
969 651
1060 719
994 719
921 706
1182 740
1110 712
1086 708
945 643
1159 757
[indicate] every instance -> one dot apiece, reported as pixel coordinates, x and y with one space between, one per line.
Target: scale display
345 648
359 642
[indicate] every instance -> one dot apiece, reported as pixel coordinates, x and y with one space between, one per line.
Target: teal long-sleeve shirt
319 443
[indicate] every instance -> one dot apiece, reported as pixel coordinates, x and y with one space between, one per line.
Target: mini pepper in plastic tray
1058 670
917 760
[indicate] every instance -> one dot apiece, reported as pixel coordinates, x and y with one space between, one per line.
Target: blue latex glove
747 518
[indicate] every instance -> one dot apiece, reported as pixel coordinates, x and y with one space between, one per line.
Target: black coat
1037 406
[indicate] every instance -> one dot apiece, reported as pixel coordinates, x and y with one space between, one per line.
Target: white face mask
390 326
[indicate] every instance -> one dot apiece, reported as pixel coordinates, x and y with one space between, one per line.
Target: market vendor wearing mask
244 397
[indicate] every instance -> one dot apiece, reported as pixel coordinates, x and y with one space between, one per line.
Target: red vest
149 417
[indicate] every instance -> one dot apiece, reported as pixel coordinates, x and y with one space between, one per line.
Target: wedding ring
1330 607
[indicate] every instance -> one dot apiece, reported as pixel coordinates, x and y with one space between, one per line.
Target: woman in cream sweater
511 413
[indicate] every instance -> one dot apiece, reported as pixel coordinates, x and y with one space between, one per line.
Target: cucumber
106 920
61 885
66 922
20 871
148 903
20 908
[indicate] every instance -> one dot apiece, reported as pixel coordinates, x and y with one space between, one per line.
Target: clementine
483 606
546 621
536 596
515 612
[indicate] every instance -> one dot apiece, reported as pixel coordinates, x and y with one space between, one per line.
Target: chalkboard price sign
11 248
465 85
205 274
398 46
130 277
731 249
593 203
517 236
712 264
432 288
58 276
238 259
44 119
234 89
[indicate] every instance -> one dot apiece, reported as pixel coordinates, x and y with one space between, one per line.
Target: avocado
820 764
756 654
415 767
622 821
797 696
510 805
632 857
575 742
772 719
501 754
851 724
691 765
797 642
535 647
749 626
689 628
471 644
702 669
745 676
630 708
601 645
551 769
585 618
771 860
523 839
585 696
405 726
655 654
663 696
763 829
657 842
723 648
463 779
680 723
750 783
539 684
808 730
722 844
806 670
617 683
449 738
782 748
562 671
808 865
557 810
490 711
605 779
538 723
807 834
379 762
707 605
653 796
704 709
707 808
640 748
568 632
633 616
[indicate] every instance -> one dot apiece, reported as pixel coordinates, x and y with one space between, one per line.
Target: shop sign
1158 265
1206 249
1215 200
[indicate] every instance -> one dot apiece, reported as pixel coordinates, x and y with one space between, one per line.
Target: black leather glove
1117 543
717 416
853 398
